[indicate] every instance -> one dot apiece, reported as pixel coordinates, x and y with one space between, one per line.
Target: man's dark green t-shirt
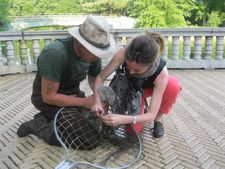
59 62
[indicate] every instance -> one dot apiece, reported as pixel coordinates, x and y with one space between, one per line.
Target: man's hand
98 109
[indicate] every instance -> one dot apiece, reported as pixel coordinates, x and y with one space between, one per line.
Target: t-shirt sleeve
50 64
95 68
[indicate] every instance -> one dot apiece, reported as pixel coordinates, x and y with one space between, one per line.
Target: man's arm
50 95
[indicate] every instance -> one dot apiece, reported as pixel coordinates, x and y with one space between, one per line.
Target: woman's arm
159 88
91 81
108 70
160 84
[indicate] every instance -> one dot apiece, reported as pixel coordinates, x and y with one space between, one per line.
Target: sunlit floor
195 129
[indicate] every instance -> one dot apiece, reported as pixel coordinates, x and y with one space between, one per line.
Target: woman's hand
113 119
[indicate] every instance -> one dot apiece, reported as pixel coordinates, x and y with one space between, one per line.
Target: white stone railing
184 47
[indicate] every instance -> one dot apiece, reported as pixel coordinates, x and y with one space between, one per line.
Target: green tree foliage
206 10
69 6
215 12
156 13
186 6
34 7
106 7
218 5
149 13
214 19
43 7
177 13
4 8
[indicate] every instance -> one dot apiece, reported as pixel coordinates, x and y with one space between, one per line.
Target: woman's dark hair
145 48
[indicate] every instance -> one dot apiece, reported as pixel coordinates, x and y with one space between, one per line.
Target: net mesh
87 141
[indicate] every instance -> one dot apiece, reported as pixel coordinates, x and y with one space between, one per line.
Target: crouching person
62 65
145 72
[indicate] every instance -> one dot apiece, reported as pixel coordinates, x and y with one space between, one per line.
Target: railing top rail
45 34
176 31
117 33
4 36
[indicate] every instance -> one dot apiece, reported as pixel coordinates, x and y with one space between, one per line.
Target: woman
142 60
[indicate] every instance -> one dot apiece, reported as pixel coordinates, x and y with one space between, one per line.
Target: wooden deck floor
195 129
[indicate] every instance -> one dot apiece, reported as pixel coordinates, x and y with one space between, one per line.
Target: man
62 65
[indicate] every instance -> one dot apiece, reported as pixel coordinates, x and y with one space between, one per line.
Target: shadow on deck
195 129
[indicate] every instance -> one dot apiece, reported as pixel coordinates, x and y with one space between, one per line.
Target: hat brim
99 52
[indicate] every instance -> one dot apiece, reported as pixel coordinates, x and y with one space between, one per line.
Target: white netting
87 140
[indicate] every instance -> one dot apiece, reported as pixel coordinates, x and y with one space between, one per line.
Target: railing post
1 56
208 48
175 47
219 47
197 48
10 54
186 47
165 53
36 48
23 52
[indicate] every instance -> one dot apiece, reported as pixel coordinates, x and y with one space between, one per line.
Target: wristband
134 120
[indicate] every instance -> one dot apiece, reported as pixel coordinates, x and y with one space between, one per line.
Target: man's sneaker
158 130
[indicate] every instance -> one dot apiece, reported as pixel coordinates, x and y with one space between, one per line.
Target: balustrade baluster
165 53
23 52
197 48
1 56
208 47
219 47
36 48
10 54
124 41
186 47
175 47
